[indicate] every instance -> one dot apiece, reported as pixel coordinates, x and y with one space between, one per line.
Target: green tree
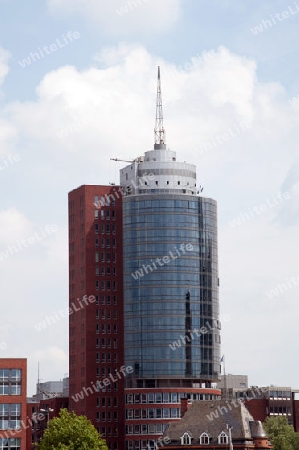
71 432
281 434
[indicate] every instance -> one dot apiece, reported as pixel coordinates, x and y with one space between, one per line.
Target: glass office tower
171 306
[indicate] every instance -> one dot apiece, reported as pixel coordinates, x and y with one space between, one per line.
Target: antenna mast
160 135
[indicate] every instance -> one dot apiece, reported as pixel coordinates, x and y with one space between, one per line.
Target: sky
77 87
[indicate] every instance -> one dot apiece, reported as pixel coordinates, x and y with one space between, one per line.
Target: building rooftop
213 418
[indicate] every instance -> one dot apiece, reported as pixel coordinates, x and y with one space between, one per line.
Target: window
96 213
10 416
186 439
204 439
96 242
223 438
96 257
10 443
96 228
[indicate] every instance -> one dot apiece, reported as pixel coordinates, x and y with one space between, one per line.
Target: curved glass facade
171 305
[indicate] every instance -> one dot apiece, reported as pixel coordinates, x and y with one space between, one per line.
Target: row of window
105 228
10 374
142 445
10 444
106 285
205 439
10 416
286 410
105 271
104 243
106 314
280 394
105 257
105 300
107 402
153 413
106 328
106 343
103 215
108 432
10 388
108 416
105 358
10 409
165 397
138 204
155 428
107 200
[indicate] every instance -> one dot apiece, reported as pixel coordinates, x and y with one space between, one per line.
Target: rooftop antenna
160 135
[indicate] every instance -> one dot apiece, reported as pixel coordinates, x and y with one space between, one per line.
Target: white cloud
14 225
4 68
122 17
109 112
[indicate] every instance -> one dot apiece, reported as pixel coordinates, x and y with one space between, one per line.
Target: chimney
184 406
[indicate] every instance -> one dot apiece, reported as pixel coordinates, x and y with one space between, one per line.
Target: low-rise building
13 418
215 425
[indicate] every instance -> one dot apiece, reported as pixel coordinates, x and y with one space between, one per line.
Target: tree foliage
281 433
71 432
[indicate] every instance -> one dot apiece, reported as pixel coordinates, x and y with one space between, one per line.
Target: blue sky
92 97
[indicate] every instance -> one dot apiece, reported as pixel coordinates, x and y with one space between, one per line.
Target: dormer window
223 438
186 439
204 439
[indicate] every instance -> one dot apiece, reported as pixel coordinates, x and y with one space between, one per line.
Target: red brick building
96 309
13 417
270 401
38 415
